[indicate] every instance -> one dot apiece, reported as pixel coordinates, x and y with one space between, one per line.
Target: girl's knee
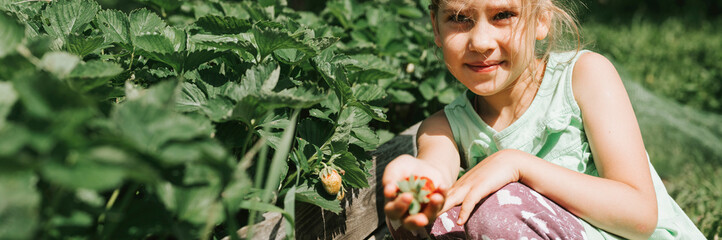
513 212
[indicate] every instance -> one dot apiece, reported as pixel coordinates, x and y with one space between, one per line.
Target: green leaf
154 42
192 98
84 174
271 39
309 194
225 43
388 31
82 45
92 74
354 175
401 96
115 26
143 21
365 134
289 56
11 34
19 206
374 112
148 120
8 96
65 17
223 25
59 63
196 205
368 92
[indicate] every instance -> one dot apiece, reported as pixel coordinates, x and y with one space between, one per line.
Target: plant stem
127 197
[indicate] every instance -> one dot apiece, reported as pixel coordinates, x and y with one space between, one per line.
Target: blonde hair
564 31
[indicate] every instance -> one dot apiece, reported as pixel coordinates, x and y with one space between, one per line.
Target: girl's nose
481 38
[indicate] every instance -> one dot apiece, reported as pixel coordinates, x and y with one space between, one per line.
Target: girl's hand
397 205
486 177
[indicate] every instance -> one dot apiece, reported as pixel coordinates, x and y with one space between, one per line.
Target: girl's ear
543 24
437 37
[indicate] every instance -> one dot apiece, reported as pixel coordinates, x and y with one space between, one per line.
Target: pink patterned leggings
513 212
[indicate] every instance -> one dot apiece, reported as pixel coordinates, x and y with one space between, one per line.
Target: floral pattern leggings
513 212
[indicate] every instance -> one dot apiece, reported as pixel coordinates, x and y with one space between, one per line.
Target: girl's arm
437 159
621 201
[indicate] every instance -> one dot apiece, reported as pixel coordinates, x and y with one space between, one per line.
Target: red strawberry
421 188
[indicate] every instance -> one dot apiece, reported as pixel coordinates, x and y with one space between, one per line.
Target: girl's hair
564 33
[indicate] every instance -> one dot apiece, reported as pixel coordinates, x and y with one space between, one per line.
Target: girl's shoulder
593 72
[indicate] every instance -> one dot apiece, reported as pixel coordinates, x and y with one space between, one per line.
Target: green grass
673 58
674 79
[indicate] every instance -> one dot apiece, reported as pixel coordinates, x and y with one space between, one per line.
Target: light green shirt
552 129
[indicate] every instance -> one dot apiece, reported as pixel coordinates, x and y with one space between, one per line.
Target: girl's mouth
483 67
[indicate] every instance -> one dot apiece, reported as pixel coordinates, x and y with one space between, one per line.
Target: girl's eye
459 18
504 15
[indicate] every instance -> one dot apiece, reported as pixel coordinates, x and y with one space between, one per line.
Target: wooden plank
363 208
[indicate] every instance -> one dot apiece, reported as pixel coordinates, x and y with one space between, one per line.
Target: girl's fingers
415 221
396 208
390 191
453 198
436 202
467 207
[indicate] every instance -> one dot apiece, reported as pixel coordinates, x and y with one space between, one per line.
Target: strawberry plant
186 119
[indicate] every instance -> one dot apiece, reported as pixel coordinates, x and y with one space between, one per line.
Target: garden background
189 119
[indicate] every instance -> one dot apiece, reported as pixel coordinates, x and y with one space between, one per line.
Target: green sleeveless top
552 129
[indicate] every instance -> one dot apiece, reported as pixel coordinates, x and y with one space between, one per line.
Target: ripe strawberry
332 182
421 188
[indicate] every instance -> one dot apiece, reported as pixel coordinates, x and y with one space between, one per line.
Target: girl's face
484 42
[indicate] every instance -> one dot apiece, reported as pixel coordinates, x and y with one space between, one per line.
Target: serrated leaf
96 69
354 176
225 43
289 56
192 98
115 26
59 63
308 194
65 17
261 77
271 39
19 206
11 34
223 24
368 92
364 133
372 112
319 114
92 74
82 45
154 42
143 21
148 120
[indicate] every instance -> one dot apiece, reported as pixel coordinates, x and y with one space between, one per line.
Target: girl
548 140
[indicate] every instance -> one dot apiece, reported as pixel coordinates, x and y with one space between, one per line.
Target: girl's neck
504 108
